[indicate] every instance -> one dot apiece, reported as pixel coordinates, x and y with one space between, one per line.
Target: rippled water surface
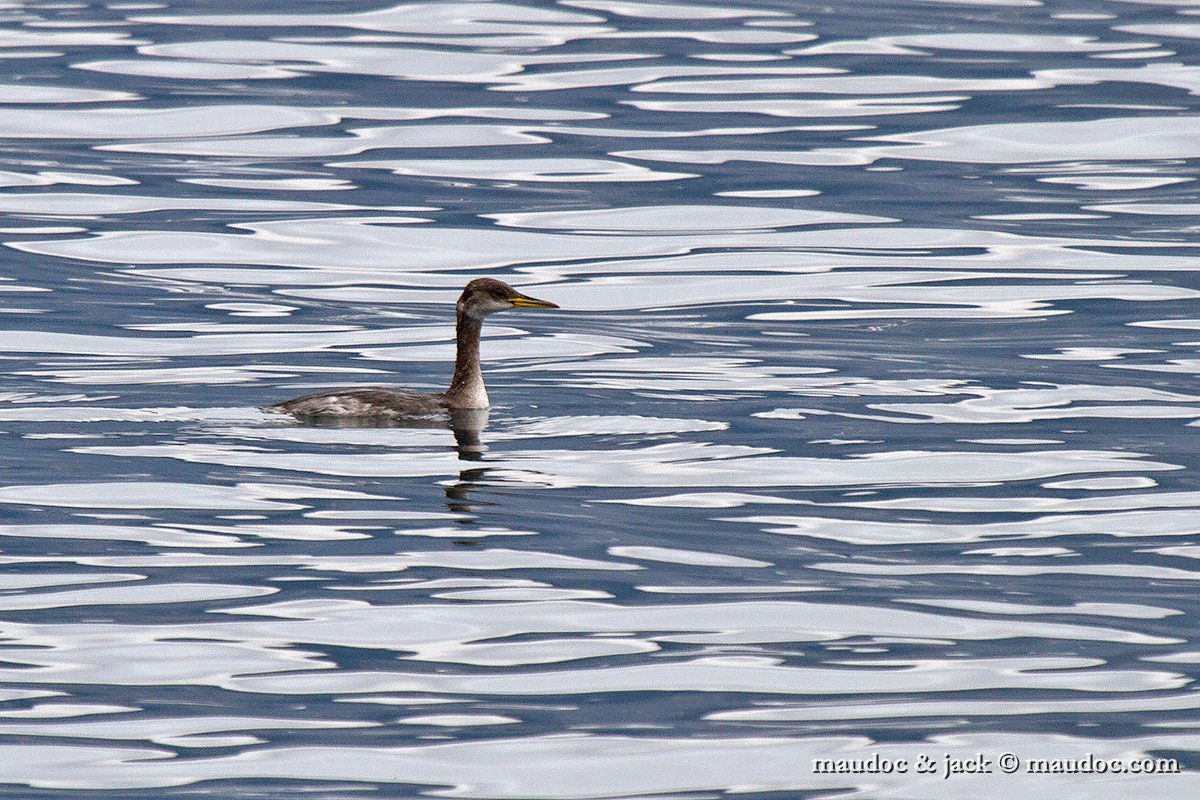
867 428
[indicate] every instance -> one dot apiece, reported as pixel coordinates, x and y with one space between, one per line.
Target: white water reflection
429 18
69 204
158 494
893 439
859 532
599 766
1011 43
189 654
1021 143
917 293
521 169
668 465
844 84
1025 405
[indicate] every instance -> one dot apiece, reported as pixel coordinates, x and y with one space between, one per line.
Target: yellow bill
524 301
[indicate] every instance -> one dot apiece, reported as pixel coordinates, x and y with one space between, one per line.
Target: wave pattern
866 430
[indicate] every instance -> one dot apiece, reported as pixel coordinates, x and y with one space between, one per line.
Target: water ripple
863 432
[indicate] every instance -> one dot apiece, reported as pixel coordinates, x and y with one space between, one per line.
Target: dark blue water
866 434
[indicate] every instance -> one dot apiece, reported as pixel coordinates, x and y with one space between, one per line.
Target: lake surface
867 430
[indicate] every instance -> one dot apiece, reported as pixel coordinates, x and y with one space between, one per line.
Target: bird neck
466 388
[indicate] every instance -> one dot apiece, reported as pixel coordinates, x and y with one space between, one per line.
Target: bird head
484 296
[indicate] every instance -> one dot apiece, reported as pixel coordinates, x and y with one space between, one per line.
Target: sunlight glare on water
867 429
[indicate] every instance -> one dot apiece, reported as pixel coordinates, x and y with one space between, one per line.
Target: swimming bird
481 297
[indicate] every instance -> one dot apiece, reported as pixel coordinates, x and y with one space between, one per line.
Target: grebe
481 297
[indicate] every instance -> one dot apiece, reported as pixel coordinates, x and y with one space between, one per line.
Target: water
867 430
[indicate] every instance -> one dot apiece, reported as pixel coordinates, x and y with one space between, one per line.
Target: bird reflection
468 425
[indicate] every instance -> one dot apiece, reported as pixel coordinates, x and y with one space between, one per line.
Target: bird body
481 297
364 402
